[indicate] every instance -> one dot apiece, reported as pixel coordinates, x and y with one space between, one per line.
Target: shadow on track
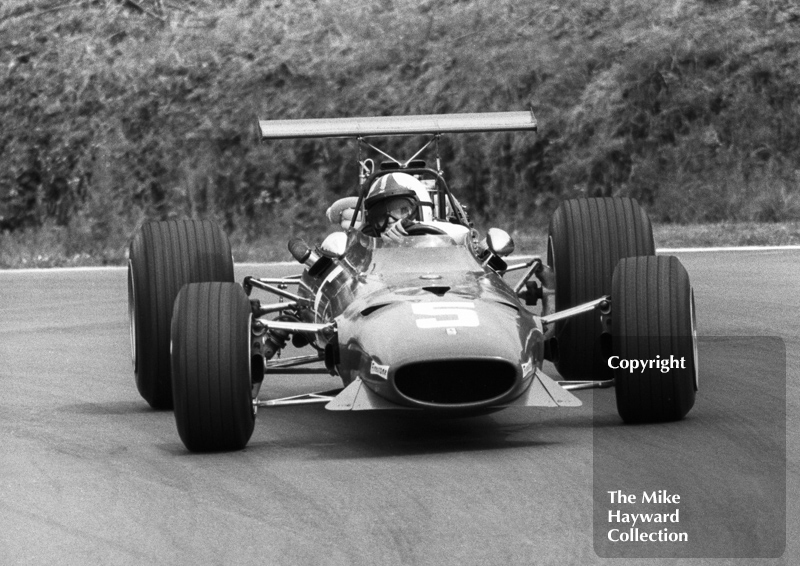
379 435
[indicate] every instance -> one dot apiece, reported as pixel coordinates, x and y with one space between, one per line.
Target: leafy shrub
118 112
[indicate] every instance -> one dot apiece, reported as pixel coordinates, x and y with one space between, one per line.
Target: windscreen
421 254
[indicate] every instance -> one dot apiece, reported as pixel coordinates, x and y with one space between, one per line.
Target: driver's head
392 198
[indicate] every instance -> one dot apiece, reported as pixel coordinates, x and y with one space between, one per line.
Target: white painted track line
728 249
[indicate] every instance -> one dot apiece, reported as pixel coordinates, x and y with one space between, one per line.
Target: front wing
543 392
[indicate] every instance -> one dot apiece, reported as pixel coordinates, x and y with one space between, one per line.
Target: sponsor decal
379 370
527 368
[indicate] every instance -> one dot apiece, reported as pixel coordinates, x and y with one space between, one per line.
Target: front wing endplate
359 397
545 392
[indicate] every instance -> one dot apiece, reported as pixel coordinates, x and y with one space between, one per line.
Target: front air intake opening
455 382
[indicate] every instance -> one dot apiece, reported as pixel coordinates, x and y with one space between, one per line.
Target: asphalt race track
89 474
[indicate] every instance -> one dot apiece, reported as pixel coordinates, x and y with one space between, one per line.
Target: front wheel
655 337
211 378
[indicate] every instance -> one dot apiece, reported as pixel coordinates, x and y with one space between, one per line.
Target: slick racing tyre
587 238
653 322
211 379
164 256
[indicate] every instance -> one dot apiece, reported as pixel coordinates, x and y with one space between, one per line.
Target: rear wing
397 125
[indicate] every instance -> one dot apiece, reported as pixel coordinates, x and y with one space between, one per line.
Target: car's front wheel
654 339
211 377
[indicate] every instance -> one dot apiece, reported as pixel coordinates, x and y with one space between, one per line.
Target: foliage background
114 112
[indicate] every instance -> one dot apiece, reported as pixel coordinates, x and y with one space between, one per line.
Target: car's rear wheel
211 378
164 256
653 322
587 238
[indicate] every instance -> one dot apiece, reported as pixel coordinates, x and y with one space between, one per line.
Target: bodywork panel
423 324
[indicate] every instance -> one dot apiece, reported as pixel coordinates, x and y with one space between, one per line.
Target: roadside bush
118 112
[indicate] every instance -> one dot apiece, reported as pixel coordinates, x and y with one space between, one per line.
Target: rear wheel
164 256
211 378
653 319
587 238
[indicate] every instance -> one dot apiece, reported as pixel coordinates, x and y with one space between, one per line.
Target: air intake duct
455 382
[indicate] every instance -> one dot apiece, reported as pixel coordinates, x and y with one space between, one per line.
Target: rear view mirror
499 242
334 246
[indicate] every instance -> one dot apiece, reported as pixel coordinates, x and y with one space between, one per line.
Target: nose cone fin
358 397
544 392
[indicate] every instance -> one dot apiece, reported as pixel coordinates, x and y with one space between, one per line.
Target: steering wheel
417 229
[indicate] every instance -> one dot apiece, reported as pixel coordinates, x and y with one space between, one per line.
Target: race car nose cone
441 327
441 351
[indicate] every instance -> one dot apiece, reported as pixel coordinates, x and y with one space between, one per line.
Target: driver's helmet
395 197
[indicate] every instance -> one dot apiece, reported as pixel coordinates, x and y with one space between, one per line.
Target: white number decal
444 314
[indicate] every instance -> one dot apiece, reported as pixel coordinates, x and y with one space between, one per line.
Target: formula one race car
423 321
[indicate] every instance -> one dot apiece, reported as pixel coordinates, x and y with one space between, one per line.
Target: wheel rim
693 322
132 313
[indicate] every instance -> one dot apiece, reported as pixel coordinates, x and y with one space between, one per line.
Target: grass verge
49 247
